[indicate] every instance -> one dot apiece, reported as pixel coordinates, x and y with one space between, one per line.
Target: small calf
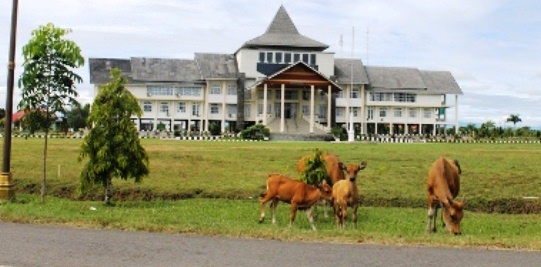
345 193
299 194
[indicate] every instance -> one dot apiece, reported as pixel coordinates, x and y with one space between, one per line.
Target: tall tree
48 80
514 119
112 144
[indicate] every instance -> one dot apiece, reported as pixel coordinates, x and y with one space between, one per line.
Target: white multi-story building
287 82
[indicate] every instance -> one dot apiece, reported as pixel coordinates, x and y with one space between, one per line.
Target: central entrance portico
295 91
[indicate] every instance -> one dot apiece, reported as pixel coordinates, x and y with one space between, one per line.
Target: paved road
33 245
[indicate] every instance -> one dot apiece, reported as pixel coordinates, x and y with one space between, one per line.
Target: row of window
396 97
170 90
399 112
294 94
181 107
383 112
286 57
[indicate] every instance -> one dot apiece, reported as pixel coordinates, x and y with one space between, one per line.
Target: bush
255 132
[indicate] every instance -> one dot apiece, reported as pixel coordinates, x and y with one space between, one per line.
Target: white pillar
282 108
329 106
312 108
351 132
265 104
456 114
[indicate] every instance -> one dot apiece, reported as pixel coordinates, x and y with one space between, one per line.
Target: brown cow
443 185
345 193
334 168
299 194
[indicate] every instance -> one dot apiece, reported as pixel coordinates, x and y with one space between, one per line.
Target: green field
211 187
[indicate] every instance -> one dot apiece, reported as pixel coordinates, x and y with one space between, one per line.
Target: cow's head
326 190
452 216
352 170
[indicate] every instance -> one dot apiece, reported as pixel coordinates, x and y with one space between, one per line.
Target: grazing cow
345 193
334 168
299 194
443 185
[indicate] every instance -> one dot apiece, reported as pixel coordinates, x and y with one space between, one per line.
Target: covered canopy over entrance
298 76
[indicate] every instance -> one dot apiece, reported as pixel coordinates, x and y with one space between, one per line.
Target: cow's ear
363 165
342 166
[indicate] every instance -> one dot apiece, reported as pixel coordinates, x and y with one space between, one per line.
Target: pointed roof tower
282 33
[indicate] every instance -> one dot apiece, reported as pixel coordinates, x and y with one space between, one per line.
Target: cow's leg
293 213
325 208
263 203
354 214
273 205
344 213
310 217
432 214
336 208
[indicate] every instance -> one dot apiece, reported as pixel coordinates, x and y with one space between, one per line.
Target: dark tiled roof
100 69
342 71
216 65
283 33
440 82
412 80
164 69
395 78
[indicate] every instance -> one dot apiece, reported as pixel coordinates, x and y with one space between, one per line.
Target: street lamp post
7 190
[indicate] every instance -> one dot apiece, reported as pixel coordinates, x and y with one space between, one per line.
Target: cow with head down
443 185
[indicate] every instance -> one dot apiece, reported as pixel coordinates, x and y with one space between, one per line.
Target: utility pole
7 190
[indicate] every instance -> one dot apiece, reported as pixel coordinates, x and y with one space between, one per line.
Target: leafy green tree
48 80
2 113
112 145
77 116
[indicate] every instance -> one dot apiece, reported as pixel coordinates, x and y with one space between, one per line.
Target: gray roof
283 33
441 82
164 69
216 65
342 71
100 69
411 80
395 78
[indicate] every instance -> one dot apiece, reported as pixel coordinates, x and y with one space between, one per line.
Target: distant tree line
489 129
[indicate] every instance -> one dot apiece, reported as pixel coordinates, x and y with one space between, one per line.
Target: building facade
289 83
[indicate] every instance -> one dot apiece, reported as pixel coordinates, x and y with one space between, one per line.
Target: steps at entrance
293 126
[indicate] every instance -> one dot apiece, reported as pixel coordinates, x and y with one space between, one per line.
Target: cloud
490 46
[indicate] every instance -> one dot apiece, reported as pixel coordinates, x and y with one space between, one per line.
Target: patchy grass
495 177
238 218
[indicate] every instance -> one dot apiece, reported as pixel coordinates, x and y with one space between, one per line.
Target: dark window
296 57
305 58
278 57
269 57
313 59
261 57
288 57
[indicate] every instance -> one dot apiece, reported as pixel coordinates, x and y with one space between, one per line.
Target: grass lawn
212 188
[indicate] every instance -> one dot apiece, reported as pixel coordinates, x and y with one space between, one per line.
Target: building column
456 115
224 106
363 111
282 107
329 106
312 108
265 104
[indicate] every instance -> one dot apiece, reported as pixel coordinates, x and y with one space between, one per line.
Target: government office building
287 82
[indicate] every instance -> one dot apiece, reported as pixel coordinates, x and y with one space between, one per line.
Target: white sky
492 47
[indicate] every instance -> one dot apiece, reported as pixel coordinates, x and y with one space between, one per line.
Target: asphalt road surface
23 245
